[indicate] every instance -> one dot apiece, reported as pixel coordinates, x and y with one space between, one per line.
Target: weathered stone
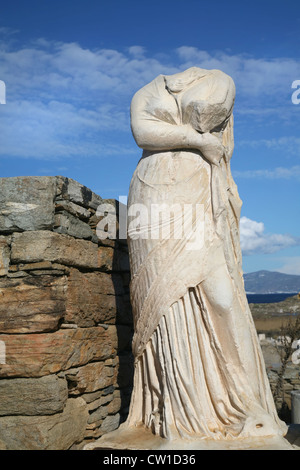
70 225
270 353
93 431
73 209
93 298
114 405
4 256
55 432
99 394
31 304
102 400
14 268
98 415
41 396
3 446
36 355
73 191
68 325
110 259
292 372
110 423
42 265
14 275
102 426
106 258
91 377
26 203
54 282
31 247
106 242
111 407
42 272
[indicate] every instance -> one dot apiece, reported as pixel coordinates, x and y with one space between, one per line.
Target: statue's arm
151 133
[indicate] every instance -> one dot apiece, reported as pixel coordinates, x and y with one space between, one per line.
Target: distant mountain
270 282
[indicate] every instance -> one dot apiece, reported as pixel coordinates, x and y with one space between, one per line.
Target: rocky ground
269 318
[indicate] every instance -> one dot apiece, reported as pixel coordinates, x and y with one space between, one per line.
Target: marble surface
200 380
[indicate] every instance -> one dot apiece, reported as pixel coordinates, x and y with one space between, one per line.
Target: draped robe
199 369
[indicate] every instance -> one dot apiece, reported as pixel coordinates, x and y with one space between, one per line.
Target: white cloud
137 51
53 130
290 265
53 68
62 97
290 145
52 122
70 67
273 174
254 76
255 240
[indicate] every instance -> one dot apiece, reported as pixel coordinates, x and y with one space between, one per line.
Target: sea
268 298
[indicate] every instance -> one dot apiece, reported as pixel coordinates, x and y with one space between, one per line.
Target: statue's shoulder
157 82
152 90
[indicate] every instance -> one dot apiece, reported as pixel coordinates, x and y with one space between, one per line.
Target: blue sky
72 67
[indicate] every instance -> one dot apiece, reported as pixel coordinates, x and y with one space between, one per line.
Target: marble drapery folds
199 371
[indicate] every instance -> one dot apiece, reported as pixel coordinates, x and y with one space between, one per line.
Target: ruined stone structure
65 317
199 380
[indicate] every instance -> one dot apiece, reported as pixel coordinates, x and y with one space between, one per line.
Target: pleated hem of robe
188 383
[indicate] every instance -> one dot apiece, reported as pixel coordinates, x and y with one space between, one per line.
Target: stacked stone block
65 317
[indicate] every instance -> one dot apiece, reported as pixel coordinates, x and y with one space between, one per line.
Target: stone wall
291 376
65 317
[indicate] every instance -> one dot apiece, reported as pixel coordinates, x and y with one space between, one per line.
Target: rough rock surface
65 317
53 432
43 396
26 203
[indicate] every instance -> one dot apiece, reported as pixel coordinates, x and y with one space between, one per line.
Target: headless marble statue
200 379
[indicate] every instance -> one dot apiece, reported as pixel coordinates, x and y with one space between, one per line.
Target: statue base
140 438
